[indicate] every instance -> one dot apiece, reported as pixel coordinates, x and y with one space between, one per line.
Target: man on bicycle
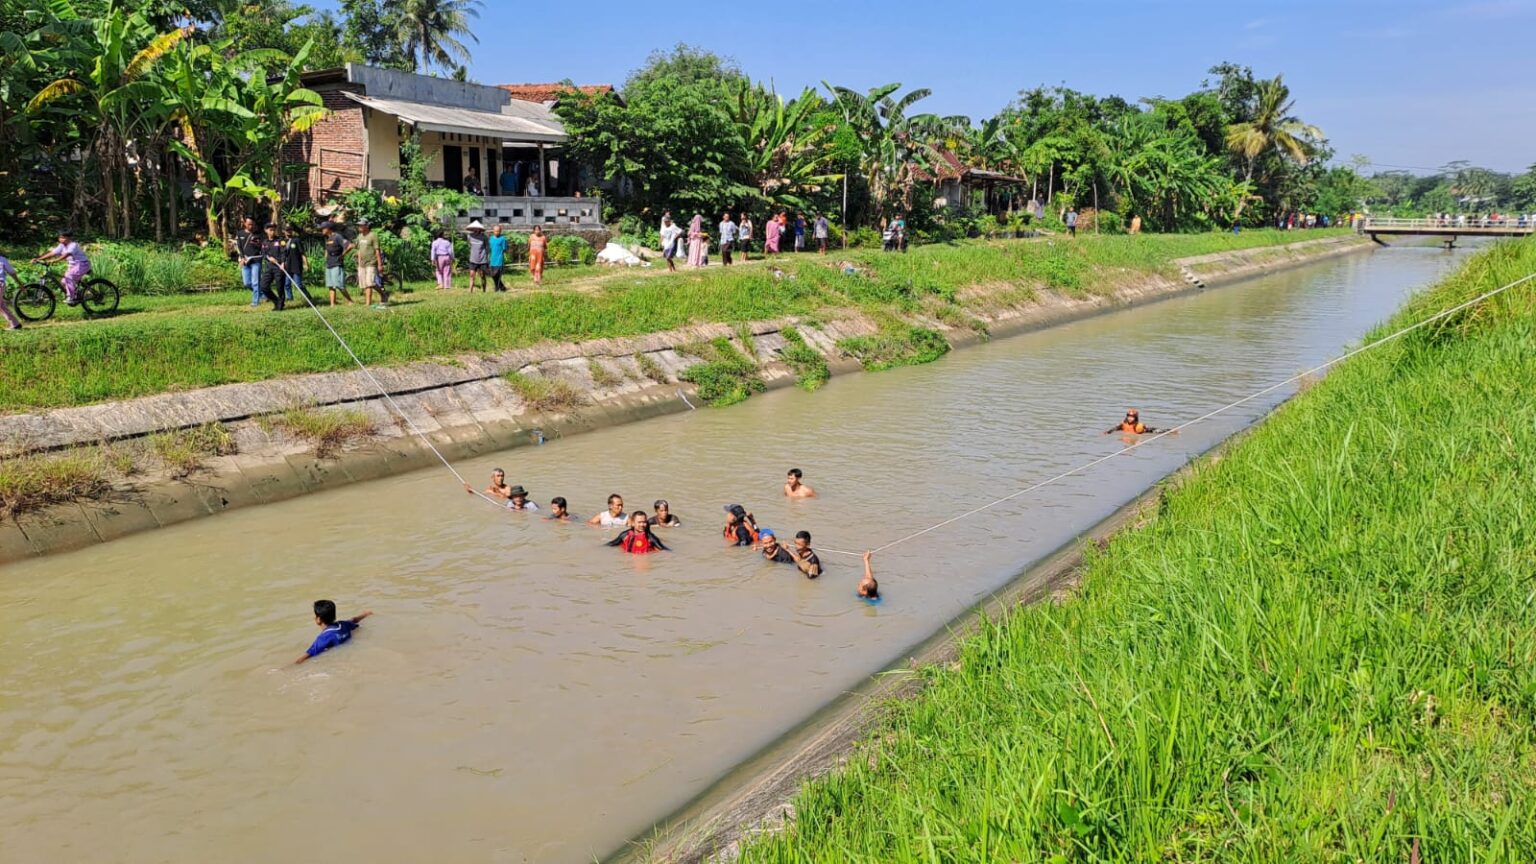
79 264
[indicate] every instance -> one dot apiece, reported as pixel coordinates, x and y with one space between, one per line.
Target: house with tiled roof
549 94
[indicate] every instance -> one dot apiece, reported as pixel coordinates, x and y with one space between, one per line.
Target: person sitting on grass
740 527
638 539
793 488
559 511
79 264
805 556
869 589
771 549
11 321
334 632
518 499
664 517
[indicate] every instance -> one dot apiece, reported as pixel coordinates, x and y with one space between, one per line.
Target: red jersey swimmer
638 539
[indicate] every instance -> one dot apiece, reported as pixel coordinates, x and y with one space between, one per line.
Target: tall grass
184 342
1319 649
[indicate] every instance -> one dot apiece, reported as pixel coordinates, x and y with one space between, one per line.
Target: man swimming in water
805 556
638 539
772 551
793 488
1132 425
334 632
558 510
740 527
664 517
614 516
869 589
517 499
498 490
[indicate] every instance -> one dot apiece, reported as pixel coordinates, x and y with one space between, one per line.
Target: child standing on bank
334 632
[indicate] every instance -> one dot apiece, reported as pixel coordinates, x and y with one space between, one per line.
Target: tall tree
783 144
1274 129
898 146
430 30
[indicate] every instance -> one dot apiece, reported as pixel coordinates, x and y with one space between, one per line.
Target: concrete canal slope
213 450
1315 645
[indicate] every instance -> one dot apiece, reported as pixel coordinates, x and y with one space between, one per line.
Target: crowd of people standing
736 233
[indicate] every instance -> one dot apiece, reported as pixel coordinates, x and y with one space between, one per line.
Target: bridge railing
1513 223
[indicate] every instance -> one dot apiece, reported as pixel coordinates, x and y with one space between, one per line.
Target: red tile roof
550 92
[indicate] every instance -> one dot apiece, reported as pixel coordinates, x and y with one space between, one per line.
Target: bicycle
37 300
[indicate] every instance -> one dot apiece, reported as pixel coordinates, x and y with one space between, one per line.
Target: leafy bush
546 394
896 344
726 376
865 238
810 367
633 229
567 249
144 269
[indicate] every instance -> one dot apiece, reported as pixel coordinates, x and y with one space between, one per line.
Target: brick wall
335 150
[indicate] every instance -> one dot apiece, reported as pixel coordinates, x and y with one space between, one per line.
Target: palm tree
430 30
1273 129
896 145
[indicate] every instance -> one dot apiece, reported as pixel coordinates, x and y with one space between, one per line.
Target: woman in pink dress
771 233
696 241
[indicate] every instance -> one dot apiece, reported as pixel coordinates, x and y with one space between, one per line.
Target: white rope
382 391
1202 418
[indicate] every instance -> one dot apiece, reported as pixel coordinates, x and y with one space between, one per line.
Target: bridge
1449 228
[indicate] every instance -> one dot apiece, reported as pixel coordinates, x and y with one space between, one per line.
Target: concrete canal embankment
467 406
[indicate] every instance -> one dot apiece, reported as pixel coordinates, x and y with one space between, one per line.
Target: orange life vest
730 531
1138 427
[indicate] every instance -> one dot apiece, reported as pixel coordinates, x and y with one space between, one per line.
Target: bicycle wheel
33 302
99 296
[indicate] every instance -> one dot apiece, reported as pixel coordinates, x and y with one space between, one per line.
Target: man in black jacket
248 242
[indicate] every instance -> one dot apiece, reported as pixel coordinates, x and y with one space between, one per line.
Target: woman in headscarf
696 241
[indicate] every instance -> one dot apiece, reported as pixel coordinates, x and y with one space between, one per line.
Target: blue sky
1408 83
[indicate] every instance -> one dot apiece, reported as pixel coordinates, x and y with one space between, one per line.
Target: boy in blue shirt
335 632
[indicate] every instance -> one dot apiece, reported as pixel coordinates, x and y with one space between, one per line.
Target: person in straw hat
479 257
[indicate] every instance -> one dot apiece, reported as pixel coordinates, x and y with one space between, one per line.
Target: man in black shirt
248 242
335 261
273 253
294 264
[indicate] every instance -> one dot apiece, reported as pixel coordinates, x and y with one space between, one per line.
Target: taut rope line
1202 418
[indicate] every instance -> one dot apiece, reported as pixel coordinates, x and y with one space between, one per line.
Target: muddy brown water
525 694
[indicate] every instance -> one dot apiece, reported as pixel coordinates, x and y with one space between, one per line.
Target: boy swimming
334 632
793 488
869 589
805 556
559 511
664 516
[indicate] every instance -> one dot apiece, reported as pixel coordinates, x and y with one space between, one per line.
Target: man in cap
518 499
370 263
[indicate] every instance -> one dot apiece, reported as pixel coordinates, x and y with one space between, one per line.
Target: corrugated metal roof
522 121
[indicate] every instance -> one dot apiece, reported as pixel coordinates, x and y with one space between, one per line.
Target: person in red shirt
638 539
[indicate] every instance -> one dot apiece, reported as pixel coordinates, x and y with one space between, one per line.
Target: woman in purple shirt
442 261
79 265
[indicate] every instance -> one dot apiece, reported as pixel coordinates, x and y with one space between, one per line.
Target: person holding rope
273 253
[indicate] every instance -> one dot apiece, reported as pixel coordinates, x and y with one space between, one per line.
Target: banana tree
896 145
116 52
783 144
277 107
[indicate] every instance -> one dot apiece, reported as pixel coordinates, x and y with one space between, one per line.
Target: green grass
186 341
1319 648
328 429
182 451
896 344
35 481
549 395
726 376
810 367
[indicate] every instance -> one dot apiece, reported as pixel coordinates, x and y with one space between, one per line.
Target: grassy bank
1320 647
159 344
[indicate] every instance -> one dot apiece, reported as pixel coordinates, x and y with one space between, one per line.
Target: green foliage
726 376
1312 649
546 395
328 430
650 368
810 367
896 344
140 269
567 249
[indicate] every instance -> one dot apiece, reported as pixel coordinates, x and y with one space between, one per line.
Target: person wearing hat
479 257
517 499
370 263
740 528
335 246
1131 425
772 551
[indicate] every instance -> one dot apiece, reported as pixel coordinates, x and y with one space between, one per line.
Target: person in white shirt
727 239
670 233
